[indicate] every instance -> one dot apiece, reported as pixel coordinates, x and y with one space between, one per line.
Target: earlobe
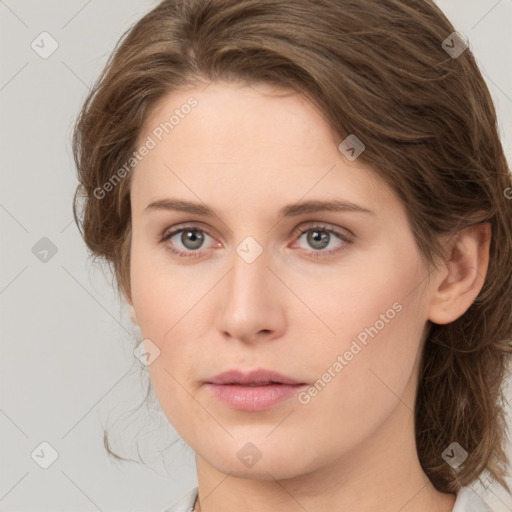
133 315
464 274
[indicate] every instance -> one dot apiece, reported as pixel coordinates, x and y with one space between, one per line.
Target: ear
126 293
133 315
462 275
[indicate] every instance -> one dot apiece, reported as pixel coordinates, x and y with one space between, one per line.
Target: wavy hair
375 69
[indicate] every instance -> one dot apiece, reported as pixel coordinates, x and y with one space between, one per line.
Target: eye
191 239
320 237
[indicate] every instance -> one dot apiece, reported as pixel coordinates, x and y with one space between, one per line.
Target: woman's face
343 310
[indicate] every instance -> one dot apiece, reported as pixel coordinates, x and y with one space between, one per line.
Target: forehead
229 115
249 140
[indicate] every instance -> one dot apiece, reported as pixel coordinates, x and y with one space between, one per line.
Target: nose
251 301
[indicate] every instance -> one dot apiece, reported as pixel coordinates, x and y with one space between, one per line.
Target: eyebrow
291 210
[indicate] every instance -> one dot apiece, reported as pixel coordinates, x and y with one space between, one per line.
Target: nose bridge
251 299
249 280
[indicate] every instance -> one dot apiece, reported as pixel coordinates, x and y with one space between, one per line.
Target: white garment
467 501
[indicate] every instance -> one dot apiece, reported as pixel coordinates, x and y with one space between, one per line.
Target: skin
246 151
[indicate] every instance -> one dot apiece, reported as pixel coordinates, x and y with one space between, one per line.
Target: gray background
67 366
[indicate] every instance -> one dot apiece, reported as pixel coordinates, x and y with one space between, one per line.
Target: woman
306 207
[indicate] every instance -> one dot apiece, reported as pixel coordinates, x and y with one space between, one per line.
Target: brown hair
374 69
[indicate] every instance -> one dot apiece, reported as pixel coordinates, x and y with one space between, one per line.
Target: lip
253 391
252 377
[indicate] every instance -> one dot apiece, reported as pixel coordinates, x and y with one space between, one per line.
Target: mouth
253 391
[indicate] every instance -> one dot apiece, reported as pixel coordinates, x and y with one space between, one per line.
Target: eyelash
297 233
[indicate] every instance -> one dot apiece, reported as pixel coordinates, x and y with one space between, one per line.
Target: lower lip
254 398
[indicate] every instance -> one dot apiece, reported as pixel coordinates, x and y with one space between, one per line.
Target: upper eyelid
168 232
328 227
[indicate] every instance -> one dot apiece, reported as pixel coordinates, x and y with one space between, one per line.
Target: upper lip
253 377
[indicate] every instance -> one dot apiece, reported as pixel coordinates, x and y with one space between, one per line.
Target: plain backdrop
67 367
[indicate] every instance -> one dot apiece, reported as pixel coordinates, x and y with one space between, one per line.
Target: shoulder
469 501
185 503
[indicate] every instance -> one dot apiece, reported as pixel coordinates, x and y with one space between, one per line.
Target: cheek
375 298
378 317
163 294
170 312
379 336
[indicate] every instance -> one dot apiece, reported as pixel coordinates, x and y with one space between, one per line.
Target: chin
259 460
